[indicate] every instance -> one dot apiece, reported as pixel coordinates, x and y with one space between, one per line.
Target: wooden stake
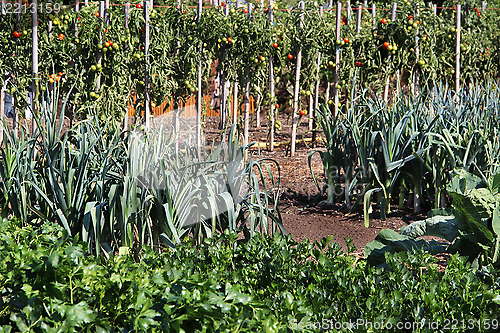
199 96
417 52
337 60
297 85
15 123
99 52
374 14
235 99
457 49
34 85
388 79
257 110
176 104
312 113
147 111
77 9
106 14
126 8
271 89
222 86
246 127
358 20
328 83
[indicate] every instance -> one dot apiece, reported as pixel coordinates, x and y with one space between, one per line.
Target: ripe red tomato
346 40
229 40
290 57
16 34
245 11
275 44
110 43
61 36
383 21
303 112
223 4
276 106
358 64
386 45
96 14
138 6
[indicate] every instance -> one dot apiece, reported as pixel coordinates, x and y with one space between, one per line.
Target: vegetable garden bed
206 224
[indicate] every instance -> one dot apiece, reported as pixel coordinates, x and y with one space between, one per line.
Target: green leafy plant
268 284
408 148
128 189
472 224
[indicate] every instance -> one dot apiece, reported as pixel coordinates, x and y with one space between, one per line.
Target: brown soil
302 217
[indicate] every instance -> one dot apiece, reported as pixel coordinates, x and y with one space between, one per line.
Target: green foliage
127 189
177 35
476 206
409 146
265 284
473 228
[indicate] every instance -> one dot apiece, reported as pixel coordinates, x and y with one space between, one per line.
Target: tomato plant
241 45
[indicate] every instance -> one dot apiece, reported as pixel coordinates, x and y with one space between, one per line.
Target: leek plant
409 146
123 190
